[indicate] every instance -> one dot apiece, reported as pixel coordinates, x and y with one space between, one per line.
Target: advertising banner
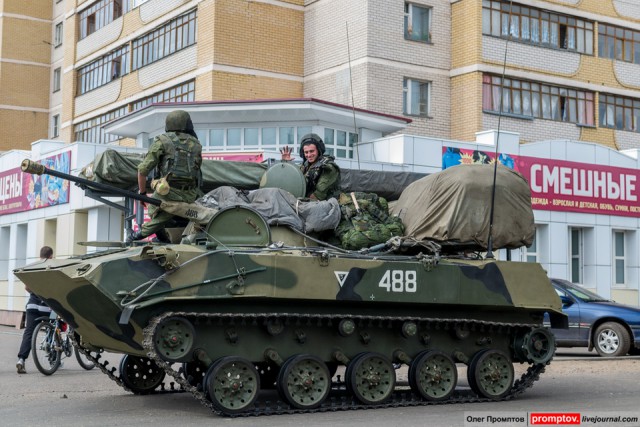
21 191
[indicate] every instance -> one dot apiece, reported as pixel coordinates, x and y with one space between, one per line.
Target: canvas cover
453 206
277 207
121 170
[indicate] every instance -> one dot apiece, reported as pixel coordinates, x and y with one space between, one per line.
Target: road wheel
611 340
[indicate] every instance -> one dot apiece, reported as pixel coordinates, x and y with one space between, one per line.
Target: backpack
181 161
369 225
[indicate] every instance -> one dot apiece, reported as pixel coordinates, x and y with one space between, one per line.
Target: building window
417 22
184 92
338 143
576 253
415 95
103 70
619 257
55 126
175 35
537 100
91 130
98 15
58 35
57 74
617 112
618 43
536 26
136 3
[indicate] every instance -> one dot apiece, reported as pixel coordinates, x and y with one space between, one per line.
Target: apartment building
542 68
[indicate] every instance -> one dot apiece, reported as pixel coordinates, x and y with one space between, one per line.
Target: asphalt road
576 381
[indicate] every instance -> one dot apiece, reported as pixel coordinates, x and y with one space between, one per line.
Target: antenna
495 164
353 107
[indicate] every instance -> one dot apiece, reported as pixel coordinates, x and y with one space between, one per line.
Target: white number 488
399 281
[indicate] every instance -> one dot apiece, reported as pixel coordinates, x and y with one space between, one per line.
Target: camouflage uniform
323 175
160 154
323 178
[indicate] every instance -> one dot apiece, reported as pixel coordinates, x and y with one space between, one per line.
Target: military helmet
178 121
312 138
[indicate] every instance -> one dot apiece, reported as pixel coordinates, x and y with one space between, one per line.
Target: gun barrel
28 166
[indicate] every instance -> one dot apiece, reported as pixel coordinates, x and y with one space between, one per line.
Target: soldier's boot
133 236
163 236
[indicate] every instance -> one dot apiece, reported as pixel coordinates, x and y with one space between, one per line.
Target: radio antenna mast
496 160
353 106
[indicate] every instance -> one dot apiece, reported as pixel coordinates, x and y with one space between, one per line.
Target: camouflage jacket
323 178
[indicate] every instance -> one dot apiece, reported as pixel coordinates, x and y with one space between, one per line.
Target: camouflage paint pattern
88 291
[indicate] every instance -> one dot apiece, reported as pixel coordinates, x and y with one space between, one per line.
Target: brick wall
466 32
230 86
466 106
20 128
258 36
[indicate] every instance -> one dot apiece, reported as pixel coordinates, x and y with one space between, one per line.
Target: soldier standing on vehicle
177 157
36 308
321 172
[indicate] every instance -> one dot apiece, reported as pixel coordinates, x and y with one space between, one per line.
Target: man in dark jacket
35 308
321 172
177 157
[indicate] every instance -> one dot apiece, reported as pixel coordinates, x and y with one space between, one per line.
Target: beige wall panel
130 86
36 9
625 296
466 33
21 128
204 87
259 36
71 228
26 40
604 136
206 36
69 83
466 106
24 85
599 71
131 23
228 86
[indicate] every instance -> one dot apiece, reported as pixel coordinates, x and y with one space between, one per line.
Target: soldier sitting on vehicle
177 155
321 172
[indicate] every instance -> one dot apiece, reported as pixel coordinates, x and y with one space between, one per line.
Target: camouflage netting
453 206
366 224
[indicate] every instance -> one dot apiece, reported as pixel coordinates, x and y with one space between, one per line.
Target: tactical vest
179 164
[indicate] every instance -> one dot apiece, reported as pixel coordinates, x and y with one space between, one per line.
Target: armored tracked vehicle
257 318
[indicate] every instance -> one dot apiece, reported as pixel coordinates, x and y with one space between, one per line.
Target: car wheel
611 340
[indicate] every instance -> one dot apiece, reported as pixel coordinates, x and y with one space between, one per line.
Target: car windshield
581 293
